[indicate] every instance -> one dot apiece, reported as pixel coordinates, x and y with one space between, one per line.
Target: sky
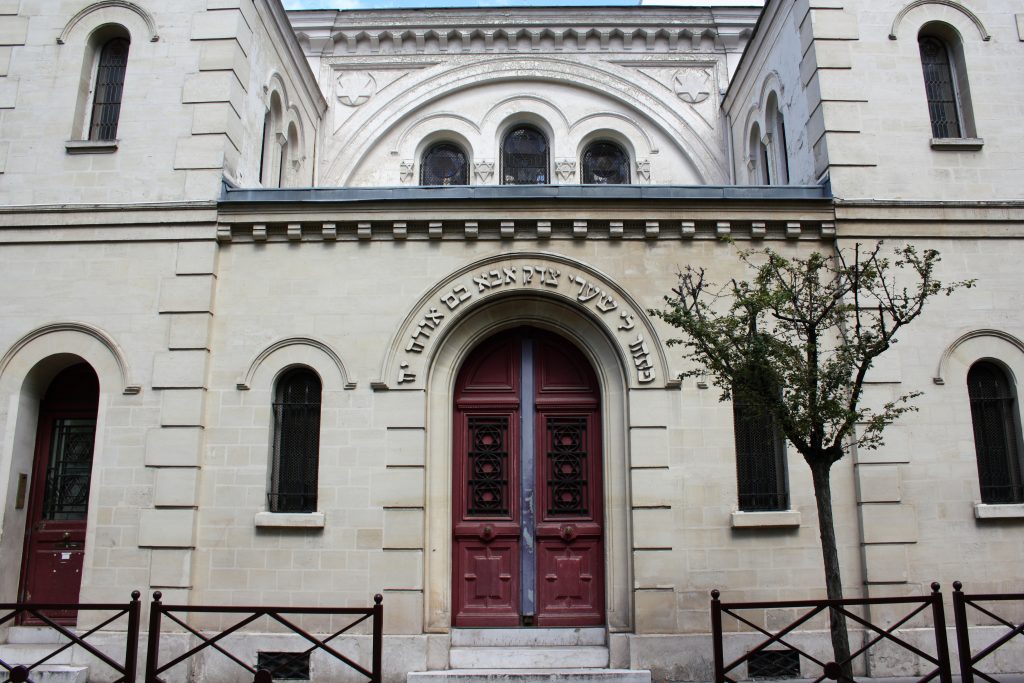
385 4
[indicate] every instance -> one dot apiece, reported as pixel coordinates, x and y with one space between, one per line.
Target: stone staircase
28 644
533 655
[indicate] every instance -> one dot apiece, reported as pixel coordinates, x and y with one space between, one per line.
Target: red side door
59 494
528 539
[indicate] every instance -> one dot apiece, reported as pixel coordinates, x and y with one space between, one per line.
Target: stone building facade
368 208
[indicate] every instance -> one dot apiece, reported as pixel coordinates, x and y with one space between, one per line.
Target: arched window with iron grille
605 163
106 102
760 458
524 157
997 434
940 87
444 164
293 478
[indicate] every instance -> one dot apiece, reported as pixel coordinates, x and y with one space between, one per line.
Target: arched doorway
59 491
527 496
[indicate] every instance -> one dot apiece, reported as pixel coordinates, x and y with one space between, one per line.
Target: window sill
957 144
1003 511
781 519
91 146
300 520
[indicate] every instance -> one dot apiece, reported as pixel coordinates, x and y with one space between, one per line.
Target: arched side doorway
527 498
58 497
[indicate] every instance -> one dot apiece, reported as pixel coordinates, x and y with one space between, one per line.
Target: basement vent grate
285 666
774 664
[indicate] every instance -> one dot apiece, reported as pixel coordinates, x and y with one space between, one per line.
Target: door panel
528 543
59 497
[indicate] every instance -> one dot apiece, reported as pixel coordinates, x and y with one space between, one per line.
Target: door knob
487 533
66 536
568 533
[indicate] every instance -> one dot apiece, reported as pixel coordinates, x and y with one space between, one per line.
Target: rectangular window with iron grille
760 458
296 454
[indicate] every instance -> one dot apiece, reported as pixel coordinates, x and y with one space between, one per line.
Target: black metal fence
781 640
970 661
158 611
124 668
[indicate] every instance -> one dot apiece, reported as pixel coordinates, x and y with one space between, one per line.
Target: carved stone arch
952 4
500 119
977 339
293 351
146 17
771 83
275 83
60 337
383 113
593 126
541 275
415 139
484 320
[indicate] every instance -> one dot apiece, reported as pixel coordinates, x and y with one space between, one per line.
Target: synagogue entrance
528 546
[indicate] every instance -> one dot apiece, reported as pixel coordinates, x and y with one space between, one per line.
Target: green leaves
800 335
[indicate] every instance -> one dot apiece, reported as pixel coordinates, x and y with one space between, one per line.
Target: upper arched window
776 134
945 82
524 157
760 458
605 163
997 435
293 478
109 84
444 164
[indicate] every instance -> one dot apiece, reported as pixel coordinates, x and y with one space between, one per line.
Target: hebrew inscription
571 284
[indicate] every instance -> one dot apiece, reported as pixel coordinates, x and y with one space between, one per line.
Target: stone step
531 676
505 658
59 674
34 635
526 637
30 653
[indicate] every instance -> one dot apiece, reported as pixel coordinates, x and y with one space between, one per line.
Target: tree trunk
833 580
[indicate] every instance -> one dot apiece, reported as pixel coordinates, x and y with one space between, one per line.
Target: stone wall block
852 149
403 528
404 610
834 23
176 487
405 447
844 117
167 528
9 7
179 370
174 447
648 408
654 569
188 294
886 563
196 258
833 54
653 488
202 152
8 92
13 29
648 447
889 523
397 487
655 611
214 86
652 528
225 55
189 331
399 409
220 25
218 117
880 483
170 568
182 407
397 569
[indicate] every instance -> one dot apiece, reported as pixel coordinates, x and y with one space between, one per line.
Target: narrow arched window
760 458
940 87
997 433
106 102
605 163
444 164
524 157
296 456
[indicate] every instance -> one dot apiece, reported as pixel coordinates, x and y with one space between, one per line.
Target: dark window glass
66 493
939 88
106 103
524 157
760 458
605 163
996 433
296 442
444 164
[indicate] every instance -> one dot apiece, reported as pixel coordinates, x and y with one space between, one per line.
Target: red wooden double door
527 493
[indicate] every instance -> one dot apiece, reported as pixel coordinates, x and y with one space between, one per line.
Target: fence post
716 636
153 641
378 637
941 642
963 638
131 647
